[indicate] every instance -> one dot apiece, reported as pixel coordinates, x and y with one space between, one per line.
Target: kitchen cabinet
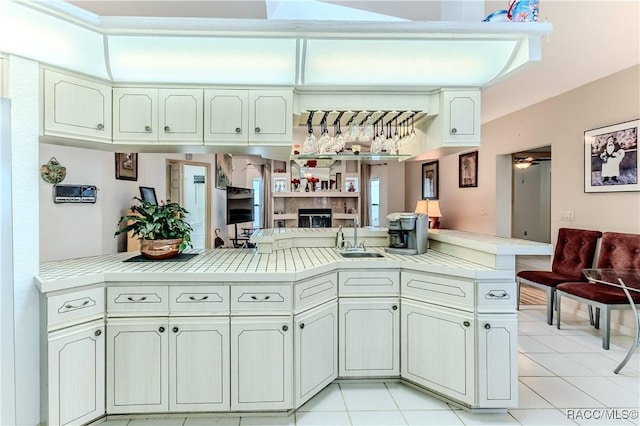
315 350
460 110
76 376
369 337
261 363
76 108
438 350
150 115
245 117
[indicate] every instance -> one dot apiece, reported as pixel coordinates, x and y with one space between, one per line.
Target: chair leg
558 306
606 329
591 315
550 299
518 294
597 324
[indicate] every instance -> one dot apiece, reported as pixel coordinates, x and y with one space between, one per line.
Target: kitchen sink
359 254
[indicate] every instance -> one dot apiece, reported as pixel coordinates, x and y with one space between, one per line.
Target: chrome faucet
339 238
355 246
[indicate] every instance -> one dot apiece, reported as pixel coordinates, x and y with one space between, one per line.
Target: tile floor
559 370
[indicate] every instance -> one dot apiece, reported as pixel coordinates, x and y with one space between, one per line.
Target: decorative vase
160 249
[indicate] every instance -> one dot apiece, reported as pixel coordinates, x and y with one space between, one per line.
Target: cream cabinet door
76 108
76 374
315 350
271 117
261 363
461 116
135 115
137 363
369 337
180 116
497 360
199 364
226 117
438 350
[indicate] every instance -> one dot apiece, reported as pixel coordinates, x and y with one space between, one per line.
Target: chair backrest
620 251
575 250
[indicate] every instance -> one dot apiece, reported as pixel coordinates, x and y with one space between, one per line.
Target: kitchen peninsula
266 329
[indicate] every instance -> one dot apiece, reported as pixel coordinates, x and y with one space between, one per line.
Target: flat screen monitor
239 205
148 194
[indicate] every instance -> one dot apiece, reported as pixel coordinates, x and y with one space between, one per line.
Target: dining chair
617 251
575 250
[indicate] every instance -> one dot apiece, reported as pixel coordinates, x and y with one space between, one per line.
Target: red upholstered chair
575 249
618 251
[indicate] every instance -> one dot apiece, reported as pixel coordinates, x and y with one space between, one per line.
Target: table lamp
432 209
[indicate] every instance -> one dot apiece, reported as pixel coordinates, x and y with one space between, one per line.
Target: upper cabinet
460 117
76 107
148 115
245 117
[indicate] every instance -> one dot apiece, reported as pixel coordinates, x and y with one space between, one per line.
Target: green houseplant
162 228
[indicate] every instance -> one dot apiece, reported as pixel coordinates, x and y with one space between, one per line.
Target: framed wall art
127 165
224 168
430 180
468 170
611 158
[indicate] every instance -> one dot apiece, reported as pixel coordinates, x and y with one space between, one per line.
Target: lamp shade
422 207
433 208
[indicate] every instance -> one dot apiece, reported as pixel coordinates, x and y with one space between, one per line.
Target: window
257 205
374 200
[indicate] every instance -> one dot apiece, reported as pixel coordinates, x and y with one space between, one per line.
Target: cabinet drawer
256 299
496 296
138 300
314 291
72 308
205 300
369 282
439 290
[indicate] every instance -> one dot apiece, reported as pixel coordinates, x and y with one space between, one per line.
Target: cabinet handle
176 329
394 307
167 129
200 299
100 126
238 130
97 333
301 325
161 329
487 326
454 131
267 297
147 128
141 299
70 306
466 323
285 328
257 129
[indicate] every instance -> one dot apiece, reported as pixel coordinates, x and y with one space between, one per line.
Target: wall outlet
568 215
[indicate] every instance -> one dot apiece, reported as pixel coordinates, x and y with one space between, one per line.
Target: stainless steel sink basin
359 254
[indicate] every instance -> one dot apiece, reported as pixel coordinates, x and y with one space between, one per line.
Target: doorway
188 183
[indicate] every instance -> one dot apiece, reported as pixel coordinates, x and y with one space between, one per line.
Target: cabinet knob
301 325
394 307
100 126
161 329
487 326
238 130
454 131
176 329
285 328
257 129
167 129
466 323
147 128
97 333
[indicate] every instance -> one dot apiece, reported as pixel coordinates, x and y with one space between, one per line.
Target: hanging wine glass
412 135
310 145
354 129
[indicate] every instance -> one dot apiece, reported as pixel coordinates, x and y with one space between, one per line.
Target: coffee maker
407 233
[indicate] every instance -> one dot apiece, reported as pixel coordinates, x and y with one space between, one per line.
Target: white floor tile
432 417
326 418
268 421
560 393
532 328
367 396
600 364
630 383
527 344
594 342
562 344
171 421
408 398
486 418
561 365
385 418
329 399
607 392
532 314
541 417
528 399
115 422
528 367
212 421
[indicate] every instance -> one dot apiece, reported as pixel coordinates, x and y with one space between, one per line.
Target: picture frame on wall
224 168
127 165
468 170
430 180
611 158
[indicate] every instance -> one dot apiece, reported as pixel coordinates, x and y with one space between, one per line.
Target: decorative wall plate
53 172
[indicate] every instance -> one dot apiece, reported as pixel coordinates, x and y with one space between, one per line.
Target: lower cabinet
369 337
438 349
76 374
159 365
315 350
261 363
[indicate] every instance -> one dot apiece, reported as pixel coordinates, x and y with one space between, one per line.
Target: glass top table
628 280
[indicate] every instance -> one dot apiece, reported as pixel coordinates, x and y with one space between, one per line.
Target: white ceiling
590 39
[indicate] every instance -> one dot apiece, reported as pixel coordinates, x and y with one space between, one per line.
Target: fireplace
314 218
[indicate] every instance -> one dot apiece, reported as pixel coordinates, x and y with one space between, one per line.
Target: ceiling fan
525 163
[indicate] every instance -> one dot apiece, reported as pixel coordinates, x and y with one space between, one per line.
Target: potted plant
162 228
